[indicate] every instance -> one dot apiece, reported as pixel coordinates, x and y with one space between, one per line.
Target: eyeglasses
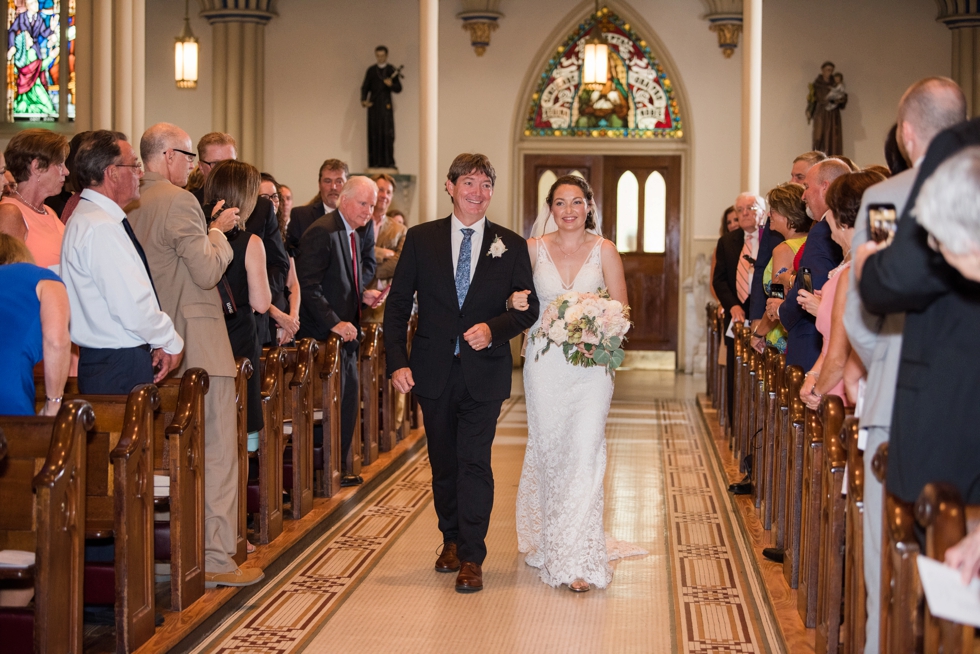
275 198
210 163
184 152
137 166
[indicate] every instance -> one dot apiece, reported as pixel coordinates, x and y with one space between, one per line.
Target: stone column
752 96
111 82
238 67
429 110
963 18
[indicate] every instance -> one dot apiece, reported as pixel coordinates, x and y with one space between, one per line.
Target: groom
463 269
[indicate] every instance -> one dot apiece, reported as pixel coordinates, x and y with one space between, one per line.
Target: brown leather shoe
448 561
470 578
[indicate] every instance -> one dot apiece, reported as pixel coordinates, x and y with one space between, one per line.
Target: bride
560 498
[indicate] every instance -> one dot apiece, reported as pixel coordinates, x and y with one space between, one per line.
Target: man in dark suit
333 289
935 415
821 255
735 258
216 147
334 173
460 368
768 242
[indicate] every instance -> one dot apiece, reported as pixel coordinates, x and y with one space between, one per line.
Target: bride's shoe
579 586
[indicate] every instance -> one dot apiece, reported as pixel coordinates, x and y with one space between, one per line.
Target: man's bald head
163 149
751 209
817 181
357 200
928 107
12 222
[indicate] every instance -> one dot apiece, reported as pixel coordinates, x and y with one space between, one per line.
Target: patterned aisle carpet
368 585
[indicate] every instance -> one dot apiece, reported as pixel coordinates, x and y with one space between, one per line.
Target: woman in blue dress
33 326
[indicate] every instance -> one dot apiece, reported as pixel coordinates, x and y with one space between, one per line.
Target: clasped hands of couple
477 337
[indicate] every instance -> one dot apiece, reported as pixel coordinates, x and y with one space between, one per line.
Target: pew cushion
318 458
161 540
287 469
100 581
17 627
253 497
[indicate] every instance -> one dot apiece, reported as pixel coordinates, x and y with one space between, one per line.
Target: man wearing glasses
187 259
215 147
125 338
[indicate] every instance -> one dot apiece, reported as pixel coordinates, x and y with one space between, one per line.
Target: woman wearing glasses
284 311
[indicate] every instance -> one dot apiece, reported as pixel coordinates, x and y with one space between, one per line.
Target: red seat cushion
17 630
161 540
100 581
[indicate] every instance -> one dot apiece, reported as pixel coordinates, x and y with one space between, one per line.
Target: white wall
880 46
317 52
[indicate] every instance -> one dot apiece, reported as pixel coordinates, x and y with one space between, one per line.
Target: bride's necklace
42 211
566 254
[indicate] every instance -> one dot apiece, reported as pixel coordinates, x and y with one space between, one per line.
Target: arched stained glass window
627 212
637 100
544 185
655 214
40 81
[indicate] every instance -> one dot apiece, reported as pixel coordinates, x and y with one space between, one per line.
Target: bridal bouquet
589 327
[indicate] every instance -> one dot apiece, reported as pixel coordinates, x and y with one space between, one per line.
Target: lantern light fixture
185 54
595 64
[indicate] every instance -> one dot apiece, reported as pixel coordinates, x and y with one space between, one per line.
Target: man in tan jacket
187 261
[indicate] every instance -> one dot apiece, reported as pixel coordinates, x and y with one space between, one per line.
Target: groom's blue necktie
463 270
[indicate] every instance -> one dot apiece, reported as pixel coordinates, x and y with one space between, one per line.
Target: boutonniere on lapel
497 248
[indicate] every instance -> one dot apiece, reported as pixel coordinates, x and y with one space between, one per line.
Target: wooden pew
42 483
722 394
796 449
119 505
775 376
179 453
828 419
740 397
411 419
940 511
781 447
326 398
711 365
298 410
833 525
389 436
370 389
265 497
855 596
765 425
757 431
901 592
243 373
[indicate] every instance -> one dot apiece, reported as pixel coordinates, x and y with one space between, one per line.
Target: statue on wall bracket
824 102
380 81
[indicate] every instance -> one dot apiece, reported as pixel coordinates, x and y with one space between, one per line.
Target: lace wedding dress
560 497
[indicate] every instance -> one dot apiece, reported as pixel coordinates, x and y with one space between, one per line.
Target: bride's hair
574 180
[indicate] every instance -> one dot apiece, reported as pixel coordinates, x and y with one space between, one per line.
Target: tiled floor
369 586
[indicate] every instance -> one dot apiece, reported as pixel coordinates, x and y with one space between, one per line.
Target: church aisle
368 585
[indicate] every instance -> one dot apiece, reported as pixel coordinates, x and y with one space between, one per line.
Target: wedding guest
287 203
36 159
33 326
788 218
820 256
124 337
65 202
397 216
827 374
188 260
389 239
729 223
237 184
284 310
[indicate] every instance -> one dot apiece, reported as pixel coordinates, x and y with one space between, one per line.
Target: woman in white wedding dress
560 498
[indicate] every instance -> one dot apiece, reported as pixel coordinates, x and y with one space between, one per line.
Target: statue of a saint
380 81
826 99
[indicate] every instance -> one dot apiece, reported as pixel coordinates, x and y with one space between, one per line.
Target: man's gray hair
354 184
948 206
758 202
158 138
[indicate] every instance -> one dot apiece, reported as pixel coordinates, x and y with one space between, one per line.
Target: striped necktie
743 277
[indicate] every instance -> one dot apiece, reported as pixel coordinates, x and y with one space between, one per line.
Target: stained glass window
38 81
636 101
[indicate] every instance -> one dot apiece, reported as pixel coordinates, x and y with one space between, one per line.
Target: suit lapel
480 258
443 247
345 246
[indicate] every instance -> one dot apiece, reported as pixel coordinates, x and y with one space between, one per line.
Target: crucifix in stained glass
34 63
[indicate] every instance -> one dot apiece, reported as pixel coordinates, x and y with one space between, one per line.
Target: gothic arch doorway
630 138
